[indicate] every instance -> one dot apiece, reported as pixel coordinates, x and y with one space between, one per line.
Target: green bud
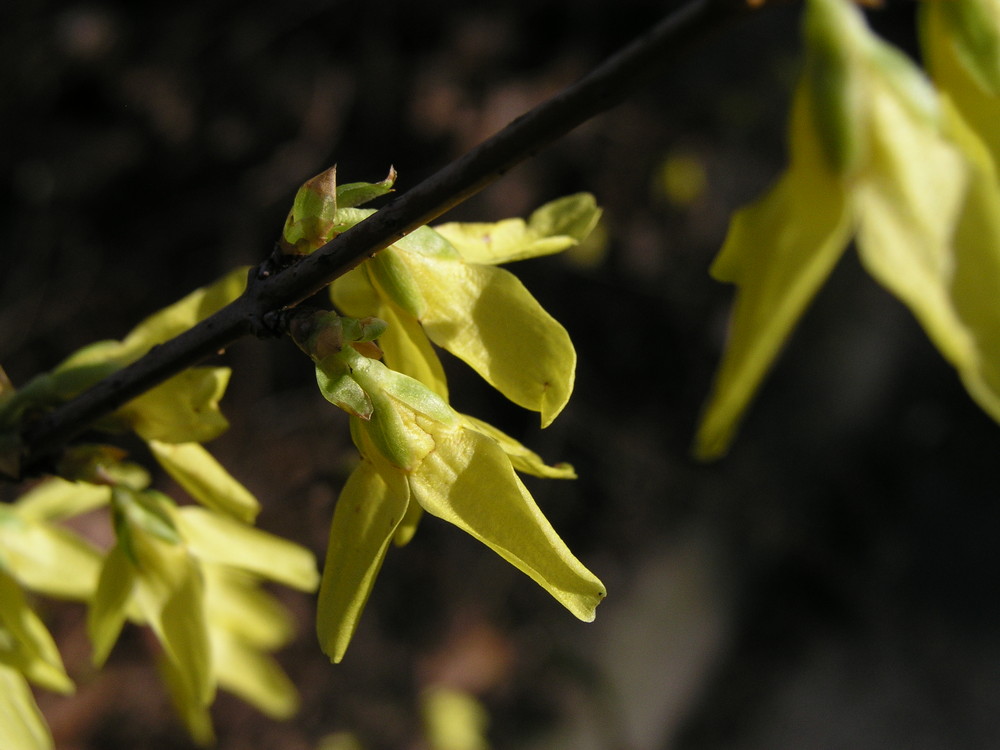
318 333
322 334
363 329
357 193
313 216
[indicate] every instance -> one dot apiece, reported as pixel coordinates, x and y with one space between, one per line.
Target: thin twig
598 91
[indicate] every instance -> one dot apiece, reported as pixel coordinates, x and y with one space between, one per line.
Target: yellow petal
222 540
81 370
168 588
205 479
907 201
22 726
197 720
56 499
468 481
182 629
364 521
354 295
48 559
975 286
453 719
521 458
86 366
236 603
779 251
550 229
32 650
255 677
183 409
108 609
485 316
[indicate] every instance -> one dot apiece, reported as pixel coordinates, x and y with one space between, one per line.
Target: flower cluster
192 574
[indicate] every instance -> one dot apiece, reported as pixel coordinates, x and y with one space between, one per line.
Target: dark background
829 584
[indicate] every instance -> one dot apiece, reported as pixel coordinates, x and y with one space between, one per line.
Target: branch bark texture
598 91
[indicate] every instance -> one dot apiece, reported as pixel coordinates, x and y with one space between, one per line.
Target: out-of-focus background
830 584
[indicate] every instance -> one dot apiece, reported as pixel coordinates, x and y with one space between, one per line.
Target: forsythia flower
418 453
191 574
877 154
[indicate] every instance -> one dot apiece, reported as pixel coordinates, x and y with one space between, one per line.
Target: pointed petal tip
334 651
588 613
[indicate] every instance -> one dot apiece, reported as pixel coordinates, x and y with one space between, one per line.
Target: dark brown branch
600 90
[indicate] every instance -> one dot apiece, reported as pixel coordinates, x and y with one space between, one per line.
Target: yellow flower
418 454
185 572
876 154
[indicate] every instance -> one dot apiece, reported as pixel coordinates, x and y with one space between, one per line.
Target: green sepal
404 344
836 37
145 512
342 390
357 193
